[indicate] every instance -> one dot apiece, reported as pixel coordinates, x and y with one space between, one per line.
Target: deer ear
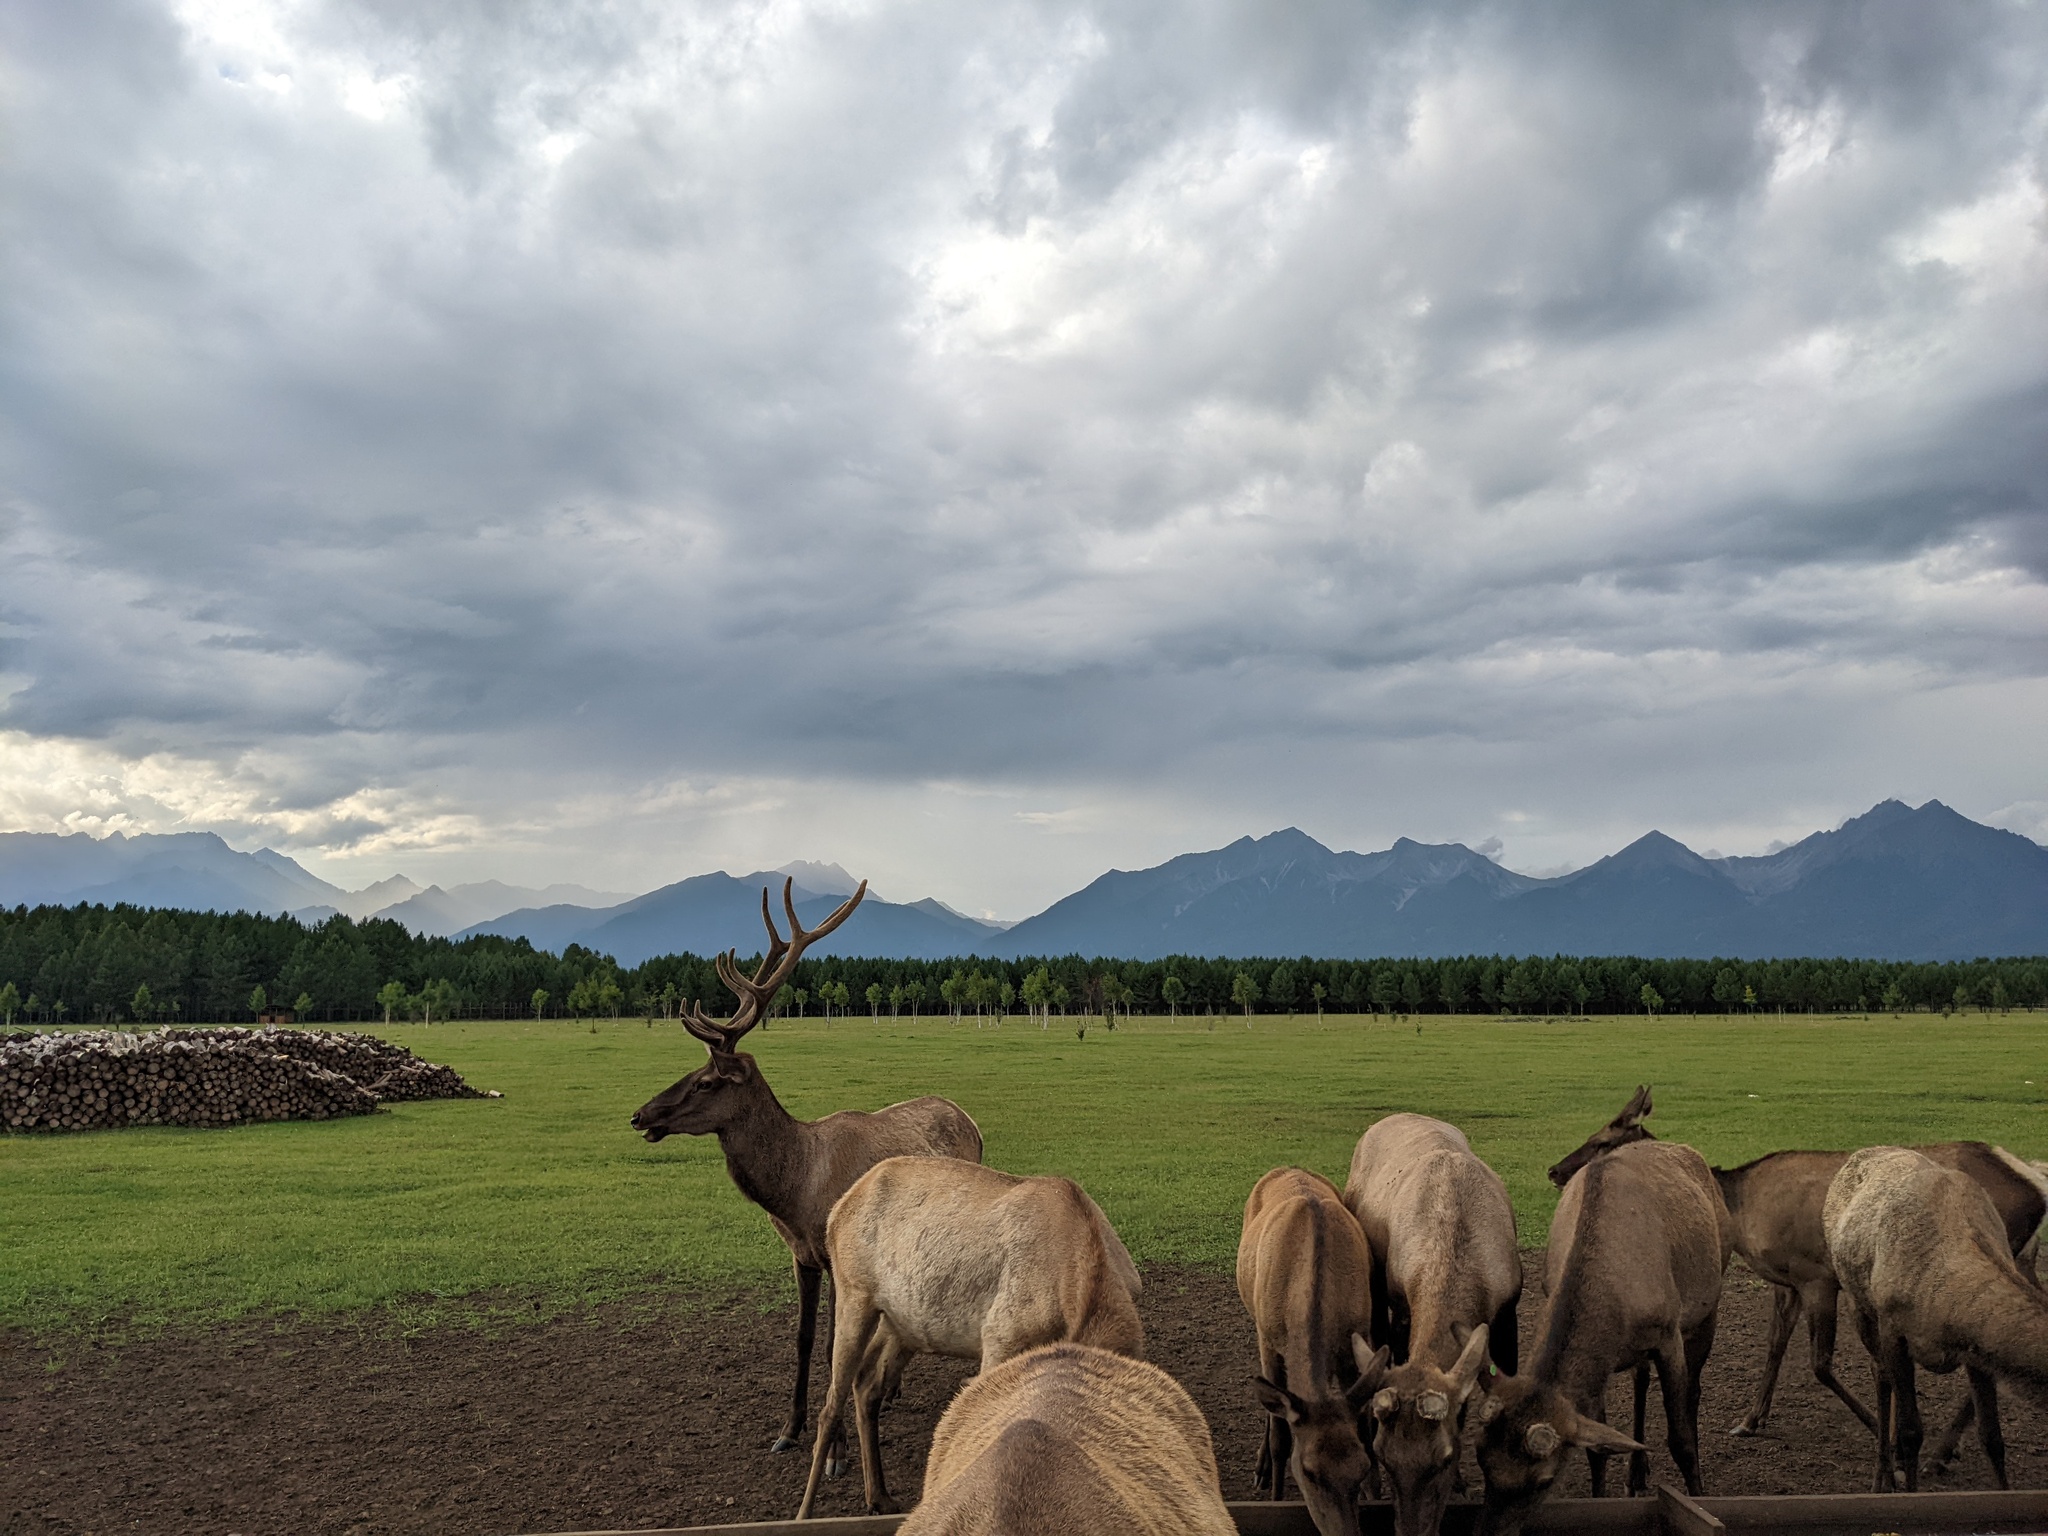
1637 1109
726 1067
1471 1361
1591 1435
1278 1401
1372 1366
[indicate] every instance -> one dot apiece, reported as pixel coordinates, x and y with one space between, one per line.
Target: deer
951 1258
1304 1272
1065 1438
1925 1260
1637 1251
1447 1286
1774 1207
795 1170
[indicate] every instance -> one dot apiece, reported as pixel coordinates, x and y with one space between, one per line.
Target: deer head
1618 1132
704 1101
1419 1419
1526 1428
1330 1457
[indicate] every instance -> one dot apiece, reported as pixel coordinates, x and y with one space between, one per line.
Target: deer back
970 1261
1304 1273
1440 1221
1638 1246
1069 1438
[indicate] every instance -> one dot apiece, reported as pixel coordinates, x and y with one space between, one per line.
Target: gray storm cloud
1043 436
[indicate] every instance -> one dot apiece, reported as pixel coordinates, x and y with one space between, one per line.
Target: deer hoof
885 1506
1748 1429
782 1443
834 1467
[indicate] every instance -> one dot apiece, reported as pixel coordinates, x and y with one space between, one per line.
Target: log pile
101 1079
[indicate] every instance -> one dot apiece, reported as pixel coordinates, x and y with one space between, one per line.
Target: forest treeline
103 965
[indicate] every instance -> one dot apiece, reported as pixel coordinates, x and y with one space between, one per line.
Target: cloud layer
985 444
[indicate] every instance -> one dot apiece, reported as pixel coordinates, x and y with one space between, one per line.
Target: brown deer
1069 1438
950 1258
793 1169
1304 1272
1447 1283
1925 1261
1774 1210
1637 1249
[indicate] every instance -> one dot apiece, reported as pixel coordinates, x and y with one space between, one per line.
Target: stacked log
102 1079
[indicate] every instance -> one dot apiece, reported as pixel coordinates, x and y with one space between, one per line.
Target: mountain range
1894 883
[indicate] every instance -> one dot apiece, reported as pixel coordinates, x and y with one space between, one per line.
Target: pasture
546 1200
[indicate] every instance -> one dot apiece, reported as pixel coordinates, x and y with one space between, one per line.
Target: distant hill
439 912
193 870
709 913
1895 884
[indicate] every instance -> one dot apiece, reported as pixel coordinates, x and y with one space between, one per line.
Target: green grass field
546 1196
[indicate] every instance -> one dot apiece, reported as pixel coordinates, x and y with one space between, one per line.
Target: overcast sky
987 444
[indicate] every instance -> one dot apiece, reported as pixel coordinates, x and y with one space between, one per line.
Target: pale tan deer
793 1169
1304 1273
1925 1262
1447 1280
1637 1250
1067 1438
1774 1210
934 1256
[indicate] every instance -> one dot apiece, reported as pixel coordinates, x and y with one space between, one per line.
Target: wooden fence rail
1670 1513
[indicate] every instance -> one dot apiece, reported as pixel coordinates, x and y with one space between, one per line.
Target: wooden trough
1670 1513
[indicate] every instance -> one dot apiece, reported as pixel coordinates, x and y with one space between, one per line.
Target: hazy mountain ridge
1894 883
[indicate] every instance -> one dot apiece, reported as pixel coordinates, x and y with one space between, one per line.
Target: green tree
1999 998
1652 1002
10 1004
1749 998
391 998
1386 988
1318 991
1280 987
874 997
1727 989
1893 999
1411 990
1963 997
1172 991
140 1007
669 999
539 1001
1244 992
258 1000
896 1000
439 996
303 1006
913 994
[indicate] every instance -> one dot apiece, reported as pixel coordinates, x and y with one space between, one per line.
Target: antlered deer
952 1259
1774 1213
1634 1274
1924 1260
1069 1438
1305 1275
793 1169
1447 1278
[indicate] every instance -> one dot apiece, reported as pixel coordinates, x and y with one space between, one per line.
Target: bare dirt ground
639 1416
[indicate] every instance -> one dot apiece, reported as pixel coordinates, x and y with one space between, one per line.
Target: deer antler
755 992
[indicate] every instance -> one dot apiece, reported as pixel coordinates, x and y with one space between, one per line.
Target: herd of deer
1385 1312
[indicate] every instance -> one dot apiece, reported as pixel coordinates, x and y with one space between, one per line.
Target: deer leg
883 1360
849 1345
1382 1313
1638 1461
1504 1337
1950 1440
1699 1344
1906 1404
808 1283
1785 1309
1823 1300
1984 1394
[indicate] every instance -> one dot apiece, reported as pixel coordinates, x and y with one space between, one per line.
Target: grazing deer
1925 1261
793 1169
949 1258
1069 1438
1304 1271
1634 1276
1447 1283
1774 1211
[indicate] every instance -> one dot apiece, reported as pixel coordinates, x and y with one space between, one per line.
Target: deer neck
2011 1330
765 1147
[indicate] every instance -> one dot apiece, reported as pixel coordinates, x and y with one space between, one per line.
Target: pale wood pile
102 1079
